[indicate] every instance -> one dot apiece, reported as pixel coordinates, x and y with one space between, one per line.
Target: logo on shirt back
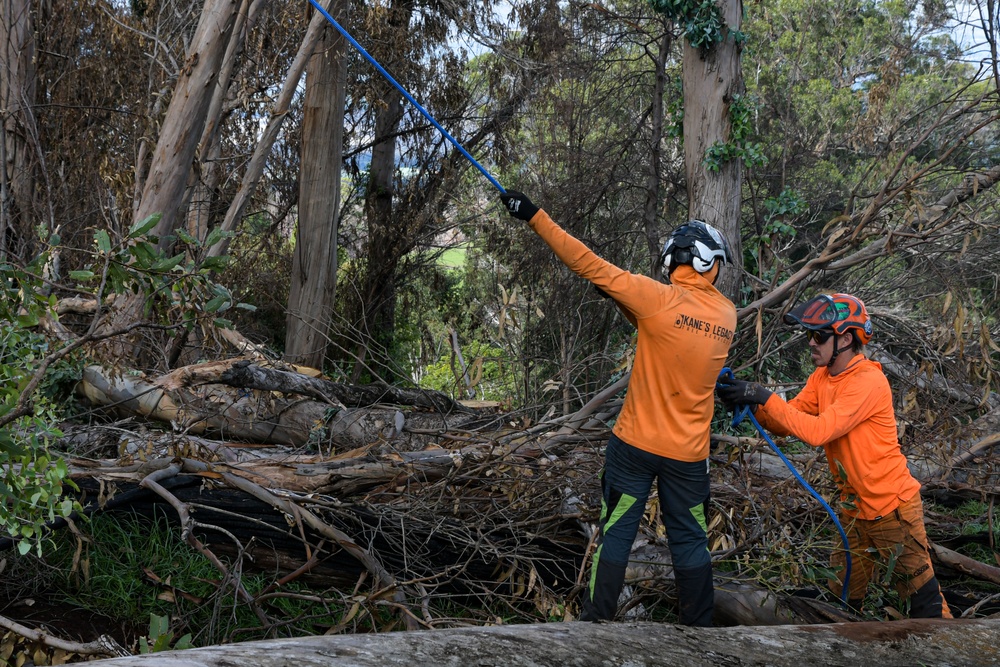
703 327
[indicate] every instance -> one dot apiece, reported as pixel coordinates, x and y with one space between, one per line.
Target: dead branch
104 645
911 374
966 565
977 449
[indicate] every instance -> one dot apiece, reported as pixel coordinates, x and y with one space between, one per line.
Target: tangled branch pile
476 520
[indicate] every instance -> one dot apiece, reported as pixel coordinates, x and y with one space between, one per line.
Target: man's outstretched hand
518 205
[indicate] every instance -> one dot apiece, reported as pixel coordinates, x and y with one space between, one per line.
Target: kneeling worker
846 408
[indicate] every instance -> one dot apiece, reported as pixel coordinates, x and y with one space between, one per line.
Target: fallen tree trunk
270 408
247 375
899 643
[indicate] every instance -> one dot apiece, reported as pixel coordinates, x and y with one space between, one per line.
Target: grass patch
453 258
132 569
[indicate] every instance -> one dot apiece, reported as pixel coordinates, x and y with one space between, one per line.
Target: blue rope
409 97
741 412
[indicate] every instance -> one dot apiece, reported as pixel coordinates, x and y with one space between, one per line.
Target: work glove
518 205
741 392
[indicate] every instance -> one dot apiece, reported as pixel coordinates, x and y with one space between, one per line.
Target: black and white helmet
696 243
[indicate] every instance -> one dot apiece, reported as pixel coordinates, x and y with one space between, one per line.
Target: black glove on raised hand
741 392
518 205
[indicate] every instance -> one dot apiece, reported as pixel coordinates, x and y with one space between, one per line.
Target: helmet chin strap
836 350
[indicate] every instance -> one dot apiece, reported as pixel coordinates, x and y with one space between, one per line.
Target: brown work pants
898 541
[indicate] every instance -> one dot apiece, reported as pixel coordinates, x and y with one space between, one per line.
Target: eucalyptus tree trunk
314 265
170 171
379 319
278 113
186 117
207 174
651 205
711 79
379 290
17 95
897 644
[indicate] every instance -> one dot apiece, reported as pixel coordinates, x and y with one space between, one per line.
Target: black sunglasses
820 336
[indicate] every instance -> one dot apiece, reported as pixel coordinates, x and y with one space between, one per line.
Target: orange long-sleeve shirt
684 333
851 416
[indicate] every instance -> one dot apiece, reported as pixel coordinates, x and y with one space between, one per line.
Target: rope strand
409 97
741 412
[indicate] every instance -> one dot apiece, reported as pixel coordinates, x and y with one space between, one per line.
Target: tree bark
185 119
314 264
900 643
234 214
711 79
197 400
207 174
385 236
652 204
17 96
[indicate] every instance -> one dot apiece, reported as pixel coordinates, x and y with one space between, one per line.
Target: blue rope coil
409 97
741 412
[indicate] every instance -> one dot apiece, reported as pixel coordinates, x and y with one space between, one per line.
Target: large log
268 406
899 643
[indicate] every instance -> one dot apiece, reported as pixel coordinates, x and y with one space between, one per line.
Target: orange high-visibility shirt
851 416
684 332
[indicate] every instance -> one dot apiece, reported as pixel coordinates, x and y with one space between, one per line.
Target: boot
928 602
696 594
602 600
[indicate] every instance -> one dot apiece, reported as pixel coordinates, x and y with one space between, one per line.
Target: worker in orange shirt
846 408
662 433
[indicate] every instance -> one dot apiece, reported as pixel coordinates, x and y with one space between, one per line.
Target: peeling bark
902 644
241 401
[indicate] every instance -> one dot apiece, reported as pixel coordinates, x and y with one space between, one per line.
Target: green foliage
158 576
117 579
486 370
31 481
701 20
739 146
134 264
975 521
127 568
161 638
787 204
774 232
36 379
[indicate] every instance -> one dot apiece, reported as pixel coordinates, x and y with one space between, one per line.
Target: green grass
130 570
454 258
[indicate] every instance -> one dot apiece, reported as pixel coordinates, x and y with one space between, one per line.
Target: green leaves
143 226
166 264
739 146
103 241
31 481
160 637
137 264
702 20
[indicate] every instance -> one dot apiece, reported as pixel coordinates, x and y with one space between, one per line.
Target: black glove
741 392
518 205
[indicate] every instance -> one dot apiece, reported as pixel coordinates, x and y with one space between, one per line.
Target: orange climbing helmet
839 312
